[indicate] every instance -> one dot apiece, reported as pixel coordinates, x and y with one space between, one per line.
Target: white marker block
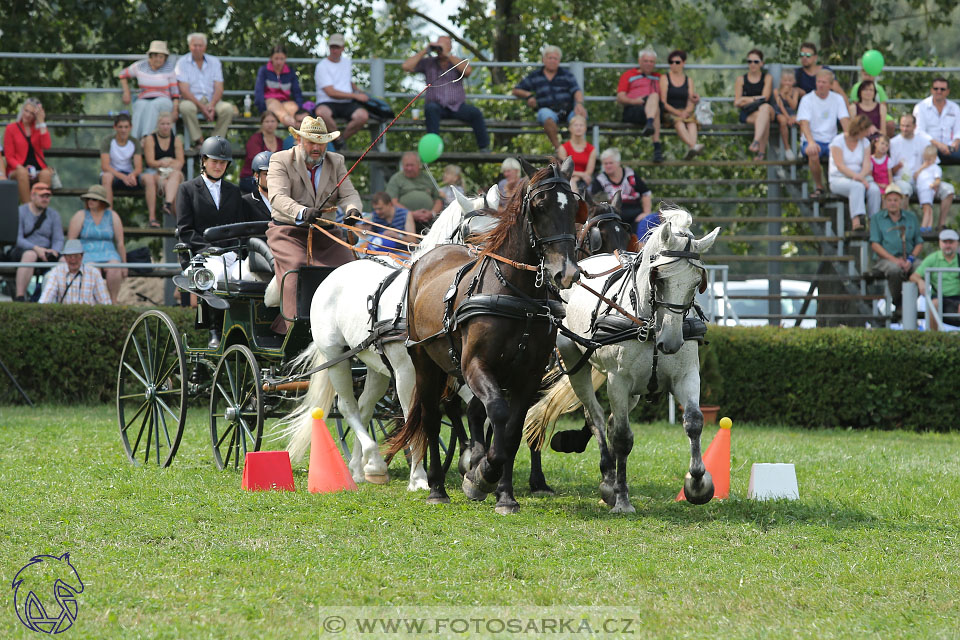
773 480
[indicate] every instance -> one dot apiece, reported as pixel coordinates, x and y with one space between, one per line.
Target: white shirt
853 159
213 186
822 114
941 126
338 75
928 175
200 80
121 158
910 152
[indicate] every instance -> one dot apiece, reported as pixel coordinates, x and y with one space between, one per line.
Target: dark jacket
197 212
256 208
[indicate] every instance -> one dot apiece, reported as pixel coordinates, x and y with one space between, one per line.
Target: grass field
870 550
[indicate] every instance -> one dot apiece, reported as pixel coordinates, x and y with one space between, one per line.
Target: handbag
377 108
704 112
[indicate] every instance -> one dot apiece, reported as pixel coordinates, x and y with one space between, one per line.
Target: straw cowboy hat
158 46
314 130
96 192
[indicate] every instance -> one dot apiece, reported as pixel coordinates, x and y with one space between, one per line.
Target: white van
731 312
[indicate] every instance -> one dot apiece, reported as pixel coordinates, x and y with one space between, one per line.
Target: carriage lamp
201 278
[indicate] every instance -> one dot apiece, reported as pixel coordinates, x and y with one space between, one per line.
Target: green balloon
872 62
430 147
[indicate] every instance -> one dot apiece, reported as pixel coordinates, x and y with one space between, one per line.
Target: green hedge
823 377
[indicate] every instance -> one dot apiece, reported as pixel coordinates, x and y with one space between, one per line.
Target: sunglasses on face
754 61
939 88
806 55
676 62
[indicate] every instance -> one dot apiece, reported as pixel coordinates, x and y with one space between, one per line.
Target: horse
496 333
657 287
341 320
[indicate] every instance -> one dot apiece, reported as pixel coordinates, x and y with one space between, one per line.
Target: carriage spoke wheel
151 390
236 407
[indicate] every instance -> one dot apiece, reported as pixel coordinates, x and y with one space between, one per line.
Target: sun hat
72 247
336 39
159 46
949 234
314 130
893 188
96 192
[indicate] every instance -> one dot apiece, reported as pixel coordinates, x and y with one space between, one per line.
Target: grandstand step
819 316
719 182
758 219
148 232
716 163
736 200
823 297
780 238
713 258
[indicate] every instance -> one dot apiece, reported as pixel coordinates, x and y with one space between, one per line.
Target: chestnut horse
490 319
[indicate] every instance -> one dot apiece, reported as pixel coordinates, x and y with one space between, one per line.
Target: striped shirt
450 94
84 287
556 94
153 83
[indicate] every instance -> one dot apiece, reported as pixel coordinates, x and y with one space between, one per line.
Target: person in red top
24 142
583 153
639 93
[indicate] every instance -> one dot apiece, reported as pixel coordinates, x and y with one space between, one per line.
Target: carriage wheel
151 390
236 407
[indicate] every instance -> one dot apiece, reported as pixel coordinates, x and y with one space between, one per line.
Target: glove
353 217
310 214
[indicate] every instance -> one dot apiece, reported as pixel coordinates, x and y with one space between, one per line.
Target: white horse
340 321
658 288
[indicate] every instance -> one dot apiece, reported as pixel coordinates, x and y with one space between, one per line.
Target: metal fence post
909 305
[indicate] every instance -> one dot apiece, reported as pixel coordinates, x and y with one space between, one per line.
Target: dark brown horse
491 322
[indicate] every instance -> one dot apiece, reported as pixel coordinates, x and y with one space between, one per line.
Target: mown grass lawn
870 549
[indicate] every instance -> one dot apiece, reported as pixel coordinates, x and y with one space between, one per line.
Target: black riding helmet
217 148
261 161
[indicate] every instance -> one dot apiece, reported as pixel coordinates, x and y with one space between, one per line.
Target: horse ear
666 232
466 204
634 245
704 243
493 197
528 168
617 202
583 212
566 168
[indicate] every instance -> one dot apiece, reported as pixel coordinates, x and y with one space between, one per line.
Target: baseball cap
336 39
893 188
72 247
41 187
949 234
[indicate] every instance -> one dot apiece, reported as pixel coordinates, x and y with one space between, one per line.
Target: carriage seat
236 230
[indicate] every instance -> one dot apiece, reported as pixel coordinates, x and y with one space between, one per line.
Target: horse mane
442 229
681 220
508 216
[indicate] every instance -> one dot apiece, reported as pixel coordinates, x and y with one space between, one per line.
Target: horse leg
374 466
621 438
341 378
431 380
510 444
405 379
538 483
485 476
583 386
698 483
476 449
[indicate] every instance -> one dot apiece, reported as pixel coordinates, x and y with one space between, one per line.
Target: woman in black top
678 100
752 96
163 155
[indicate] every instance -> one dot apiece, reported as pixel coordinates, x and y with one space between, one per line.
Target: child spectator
880 157
929 182
121 165
395 219
452 179
786 99
583 153
278 89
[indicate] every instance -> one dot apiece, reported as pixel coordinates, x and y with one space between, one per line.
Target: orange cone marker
717 461
328 471
266 470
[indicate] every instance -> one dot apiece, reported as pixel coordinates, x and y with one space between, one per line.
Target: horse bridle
557 181
683 254
590 232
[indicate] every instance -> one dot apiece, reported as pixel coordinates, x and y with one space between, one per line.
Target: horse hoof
507 509
463 465
377 478
472 492
623 508
608 493
438 500
698 491
420 485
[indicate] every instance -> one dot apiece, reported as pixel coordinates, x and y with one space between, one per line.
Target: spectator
583 153
906 153
806 73
163 155
786 99
200 77
61 285
39 236
818 114
100 232
452 181
868 106
890 127
512 173
553 93
25 140
939 118
678 100
880 159
415 191
851 172
258 202
121 166
929 179
636 198
752 94
639 92
159 91
337 95
895 239
291 140
945 258
397 219
3 162
263 140
278 89
448 100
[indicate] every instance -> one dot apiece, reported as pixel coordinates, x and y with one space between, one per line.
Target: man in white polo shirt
906 156
939 118
200 77
338 96
817 116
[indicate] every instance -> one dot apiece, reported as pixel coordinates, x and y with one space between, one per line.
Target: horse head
604 231
673 272
551 208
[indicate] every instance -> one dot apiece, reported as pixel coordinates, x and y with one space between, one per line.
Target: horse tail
558 400
298 426
411 434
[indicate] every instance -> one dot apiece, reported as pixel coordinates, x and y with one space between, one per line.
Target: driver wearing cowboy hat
302 185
